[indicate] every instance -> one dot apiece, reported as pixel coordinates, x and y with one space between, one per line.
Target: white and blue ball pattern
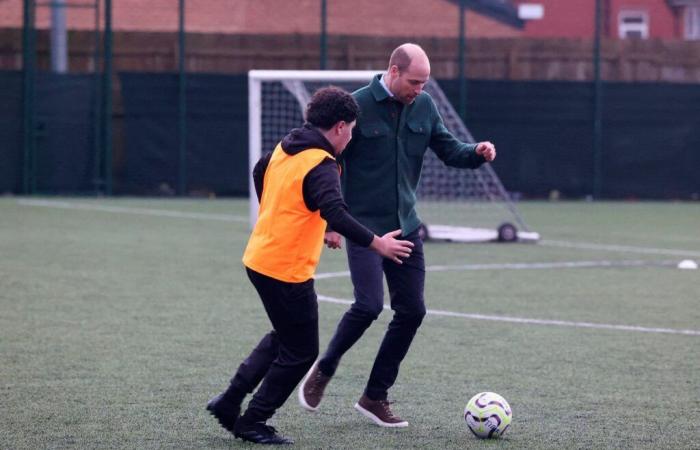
488 415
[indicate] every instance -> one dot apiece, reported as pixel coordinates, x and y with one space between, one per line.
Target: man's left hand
487 150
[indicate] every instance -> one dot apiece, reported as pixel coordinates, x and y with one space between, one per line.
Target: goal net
454 204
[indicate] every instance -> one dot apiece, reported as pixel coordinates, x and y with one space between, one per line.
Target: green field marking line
528 321
138 211
619 248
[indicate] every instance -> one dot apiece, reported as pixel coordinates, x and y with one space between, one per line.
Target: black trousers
286 353
406 283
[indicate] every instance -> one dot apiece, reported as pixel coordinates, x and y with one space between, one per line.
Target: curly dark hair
329 105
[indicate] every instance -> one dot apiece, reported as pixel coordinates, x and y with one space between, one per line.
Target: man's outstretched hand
487 150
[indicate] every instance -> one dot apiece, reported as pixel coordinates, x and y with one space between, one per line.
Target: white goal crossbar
441 187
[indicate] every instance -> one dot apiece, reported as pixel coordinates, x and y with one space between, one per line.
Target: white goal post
455 205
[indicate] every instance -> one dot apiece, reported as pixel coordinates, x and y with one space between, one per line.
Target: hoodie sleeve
321 190
259 173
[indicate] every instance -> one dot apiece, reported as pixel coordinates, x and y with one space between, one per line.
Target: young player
298 186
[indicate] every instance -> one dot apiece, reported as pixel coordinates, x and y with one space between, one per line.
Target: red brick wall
513 58
435 18
410 18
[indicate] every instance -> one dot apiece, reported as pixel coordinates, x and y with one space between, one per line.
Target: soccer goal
454 204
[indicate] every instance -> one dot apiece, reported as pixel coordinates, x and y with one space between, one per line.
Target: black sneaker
225 411
259 433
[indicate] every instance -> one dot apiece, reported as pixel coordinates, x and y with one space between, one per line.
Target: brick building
664 19
234 36
434 18
661 19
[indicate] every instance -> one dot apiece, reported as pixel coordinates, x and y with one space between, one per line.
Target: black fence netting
62 158
11 158
543 131
64 149
216 133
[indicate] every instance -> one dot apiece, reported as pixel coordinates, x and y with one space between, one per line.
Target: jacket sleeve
321 190
259 173
448 148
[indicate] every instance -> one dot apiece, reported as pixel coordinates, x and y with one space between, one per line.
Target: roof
501 10
678 3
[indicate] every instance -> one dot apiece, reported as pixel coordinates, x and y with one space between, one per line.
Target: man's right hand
391 248
332 239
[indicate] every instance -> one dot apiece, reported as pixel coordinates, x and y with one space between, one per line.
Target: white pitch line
323 276
128 210
517 266
232 218
619 248
526 321
525 266
550 265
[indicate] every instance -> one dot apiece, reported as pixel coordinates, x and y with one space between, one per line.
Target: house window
692 23
633 24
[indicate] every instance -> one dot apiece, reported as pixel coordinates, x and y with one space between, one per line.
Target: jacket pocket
374 143
417 137
374 130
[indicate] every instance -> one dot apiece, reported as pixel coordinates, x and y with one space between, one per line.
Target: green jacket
383 162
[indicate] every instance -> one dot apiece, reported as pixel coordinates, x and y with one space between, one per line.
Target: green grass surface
117 326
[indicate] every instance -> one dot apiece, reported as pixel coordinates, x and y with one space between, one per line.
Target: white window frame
625 28
691 23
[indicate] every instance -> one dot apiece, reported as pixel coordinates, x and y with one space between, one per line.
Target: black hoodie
321 187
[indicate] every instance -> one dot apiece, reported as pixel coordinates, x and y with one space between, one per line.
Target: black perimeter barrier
543 130
11 158
217 133
64 134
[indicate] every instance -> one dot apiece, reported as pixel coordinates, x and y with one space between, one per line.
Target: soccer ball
488 415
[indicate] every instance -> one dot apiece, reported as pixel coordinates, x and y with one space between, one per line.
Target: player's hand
392 248
487 150
332 239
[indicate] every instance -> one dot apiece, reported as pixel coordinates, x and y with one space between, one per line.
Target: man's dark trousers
284 355
406 282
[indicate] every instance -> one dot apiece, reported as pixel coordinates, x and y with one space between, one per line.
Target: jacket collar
377 89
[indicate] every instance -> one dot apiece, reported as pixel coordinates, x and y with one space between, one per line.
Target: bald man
398 122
